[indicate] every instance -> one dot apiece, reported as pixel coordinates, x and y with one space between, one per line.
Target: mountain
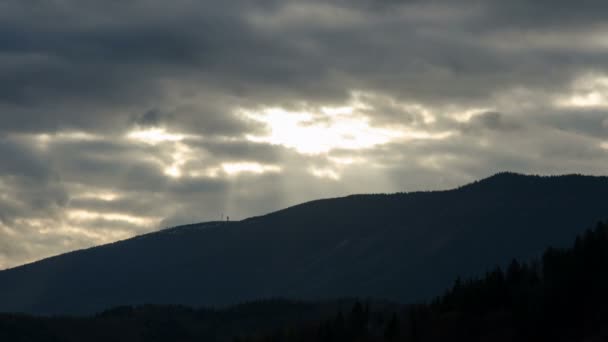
559 297
405 247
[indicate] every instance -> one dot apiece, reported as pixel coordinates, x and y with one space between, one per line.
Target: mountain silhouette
405 247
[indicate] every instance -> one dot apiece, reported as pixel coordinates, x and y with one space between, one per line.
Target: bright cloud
588 91
325 173
154 136
302 132
249 167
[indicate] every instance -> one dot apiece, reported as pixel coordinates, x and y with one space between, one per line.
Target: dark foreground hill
404 247
558 297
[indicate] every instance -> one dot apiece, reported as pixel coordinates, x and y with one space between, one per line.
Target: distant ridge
403 246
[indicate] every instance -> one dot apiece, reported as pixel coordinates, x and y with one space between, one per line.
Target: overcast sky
123 117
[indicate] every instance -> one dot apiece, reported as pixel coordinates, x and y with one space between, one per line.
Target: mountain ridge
401 246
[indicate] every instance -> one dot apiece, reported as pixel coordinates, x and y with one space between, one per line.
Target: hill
405 247
559 297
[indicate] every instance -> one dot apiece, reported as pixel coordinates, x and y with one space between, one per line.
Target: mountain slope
407 247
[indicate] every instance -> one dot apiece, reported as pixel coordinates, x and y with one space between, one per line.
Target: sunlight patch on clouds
249 167
107 196
154 136
319 133
7 230
589 99
347 160
325 173
67 135
588 91
467 114
338 165
423 135
32 222
180 156
173 171
424 112
212 172
43 140
334 111
78 215
319 130
180 153
436 162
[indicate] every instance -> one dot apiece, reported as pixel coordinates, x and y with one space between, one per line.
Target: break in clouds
124 117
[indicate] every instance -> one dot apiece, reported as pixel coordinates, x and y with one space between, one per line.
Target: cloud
495 121
125 117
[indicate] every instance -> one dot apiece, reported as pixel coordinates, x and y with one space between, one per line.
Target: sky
119 118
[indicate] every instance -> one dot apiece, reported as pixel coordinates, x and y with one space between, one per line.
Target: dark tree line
564 296
561 297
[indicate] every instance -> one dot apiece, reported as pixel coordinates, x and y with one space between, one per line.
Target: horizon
122 118
188 225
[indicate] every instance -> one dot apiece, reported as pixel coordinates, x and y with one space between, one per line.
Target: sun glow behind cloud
353 125
308 133
249 167
154 136
180 154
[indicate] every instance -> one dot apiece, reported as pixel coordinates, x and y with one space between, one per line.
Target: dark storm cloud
151 118
110 56
28 185
493 121
543 13
592 122
109 166
100 57
22 160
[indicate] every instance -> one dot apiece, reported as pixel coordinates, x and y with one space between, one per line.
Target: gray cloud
492 121
441 93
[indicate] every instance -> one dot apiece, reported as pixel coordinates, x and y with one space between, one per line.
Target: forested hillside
561 297
404 247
